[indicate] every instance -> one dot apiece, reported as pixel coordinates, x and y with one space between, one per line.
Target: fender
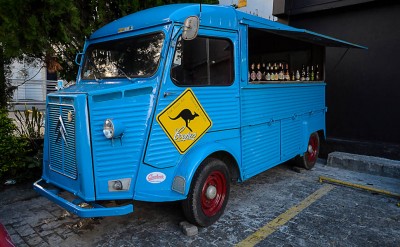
316 124
189 163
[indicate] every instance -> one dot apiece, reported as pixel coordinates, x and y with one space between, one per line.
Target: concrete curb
366 164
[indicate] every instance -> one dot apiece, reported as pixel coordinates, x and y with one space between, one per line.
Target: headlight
113 129
108 129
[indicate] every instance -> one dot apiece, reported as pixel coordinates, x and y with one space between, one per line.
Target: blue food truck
175 102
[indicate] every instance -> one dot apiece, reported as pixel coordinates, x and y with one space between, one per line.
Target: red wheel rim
312 151
213 193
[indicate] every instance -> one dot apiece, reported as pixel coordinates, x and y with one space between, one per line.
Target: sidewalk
365 164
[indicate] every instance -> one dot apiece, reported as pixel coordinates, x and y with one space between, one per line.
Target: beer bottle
298 75
280 74
312 73
308 73
253 75
303 73
317 74
259 73
263 70
268 75
272 69
287 75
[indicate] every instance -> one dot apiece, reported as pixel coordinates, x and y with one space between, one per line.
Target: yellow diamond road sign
184 121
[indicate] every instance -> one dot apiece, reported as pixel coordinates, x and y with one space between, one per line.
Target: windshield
131 57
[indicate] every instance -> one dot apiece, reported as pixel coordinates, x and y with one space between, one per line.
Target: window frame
232 44
164 44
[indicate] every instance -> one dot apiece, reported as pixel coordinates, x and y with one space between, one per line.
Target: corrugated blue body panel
221 105
292 138
260 148
120 157
266 102
277 121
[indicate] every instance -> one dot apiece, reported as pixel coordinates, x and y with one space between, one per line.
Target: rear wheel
310 157
209 193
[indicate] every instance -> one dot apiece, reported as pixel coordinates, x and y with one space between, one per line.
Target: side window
203 61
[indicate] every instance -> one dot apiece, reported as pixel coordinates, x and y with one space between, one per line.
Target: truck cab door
207 65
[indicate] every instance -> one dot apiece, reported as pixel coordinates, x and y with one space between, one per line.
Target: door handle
168 94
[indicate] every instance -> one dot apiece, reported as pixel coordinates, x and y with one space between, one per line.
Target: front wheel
209 193
310 157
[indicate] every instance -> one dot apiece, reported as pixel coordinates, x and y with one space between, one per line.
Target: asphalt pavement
280 207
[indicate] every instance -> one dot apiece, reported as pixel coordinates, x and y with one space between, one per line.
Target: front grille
61 135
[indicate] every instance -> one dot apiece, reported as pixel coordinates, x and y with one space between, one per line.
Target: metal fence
34 91
31 93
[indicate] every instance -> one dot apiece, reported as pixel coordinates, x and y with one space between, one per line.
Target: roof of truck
223 17
213 15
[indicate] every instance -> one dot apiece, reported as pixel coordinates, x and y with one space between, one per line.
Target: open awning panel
299 34
316 38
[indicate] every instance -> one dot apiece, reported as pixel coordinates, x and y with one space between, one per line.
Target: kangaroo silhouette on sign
186 115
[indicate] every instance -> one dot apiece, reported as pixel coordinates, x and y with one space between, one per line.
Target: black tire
209 193
310 157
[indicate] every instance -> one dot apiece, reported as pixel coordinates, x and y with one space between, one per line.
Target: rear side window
203 61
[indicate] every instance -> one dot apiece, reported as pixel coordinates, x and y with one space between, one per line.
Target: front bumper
96 210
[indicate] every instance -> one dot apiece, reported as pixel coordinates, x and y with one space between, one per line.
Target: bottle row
280 72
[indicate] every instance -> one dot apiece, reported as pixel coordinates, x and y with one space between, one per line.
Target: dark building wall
363 86
295 7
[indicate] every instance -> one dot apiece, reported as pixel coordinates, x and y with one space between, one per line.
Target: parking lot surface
280 207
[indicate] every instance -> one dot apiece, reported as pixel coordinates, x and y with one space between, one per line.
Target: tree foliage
5 87
54 30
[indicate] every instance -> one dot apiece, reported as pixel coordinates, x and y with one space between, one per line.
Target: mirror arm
78 57
176 34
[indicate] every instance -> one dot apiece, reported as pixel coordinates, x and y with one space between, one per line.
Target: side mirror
190 28
78 58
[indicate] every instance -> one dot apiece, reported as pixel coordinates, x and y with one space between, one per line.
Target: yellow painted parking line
358 186
282 219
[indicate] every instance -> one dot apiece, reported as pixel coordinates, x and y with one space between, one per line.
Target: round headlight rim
107 126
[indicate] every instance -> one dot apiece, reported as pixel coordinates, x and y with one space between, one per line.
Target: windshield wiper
122 71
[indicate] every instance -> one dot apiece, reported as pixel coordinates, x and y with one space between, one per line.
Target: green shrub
31 126
31 123
16 158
